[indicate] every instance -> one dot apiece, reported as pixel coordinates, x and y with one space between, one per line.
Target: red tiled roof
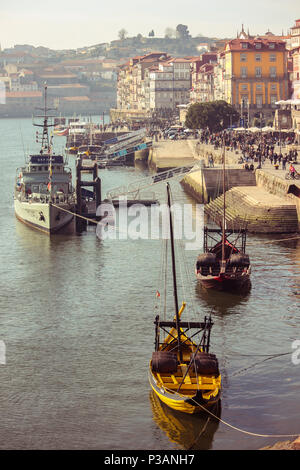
75 98
67 85
57 75
178 60
26 71
236 44
23 94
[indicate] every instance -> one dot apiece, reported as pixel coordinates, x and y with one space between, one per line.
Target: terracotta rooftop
67 85
237 44
23 94
75 98
178 60
57 75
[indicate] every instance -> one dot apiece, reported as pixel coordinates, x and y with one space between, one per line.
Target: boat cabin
33 182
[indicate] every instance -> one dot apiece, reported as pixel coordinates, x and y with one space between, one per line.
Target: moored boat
182 373
224 265
44 197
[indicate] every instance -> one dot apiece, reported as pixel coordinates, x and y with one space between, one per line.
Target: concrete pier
206 184
166 154
141 155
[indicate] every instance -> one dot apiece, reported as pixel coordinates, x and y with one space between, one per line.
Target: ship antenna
224 205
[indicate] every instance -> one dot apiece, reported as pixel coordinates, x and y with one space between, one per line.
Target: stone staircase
245 209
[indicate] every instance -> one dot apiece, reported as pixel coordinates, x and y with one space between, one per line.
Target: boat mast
45 137
174 273
46 144
224 207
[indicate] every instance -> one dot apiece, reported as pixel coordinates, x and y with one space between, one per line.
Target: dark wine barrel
206 259
164 361
239 259
205 363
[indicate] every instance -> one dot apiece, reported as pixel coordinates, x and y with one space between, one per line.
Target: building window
257 45
272 57
259 87
244 45
243 57
272 72
244 100
273 100
259 101
258 57
273 87
257 71
243 72
271 45
245 87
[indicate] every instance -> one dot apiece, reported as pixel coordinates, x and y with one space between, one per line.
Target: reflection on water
189 432
221 302
65 298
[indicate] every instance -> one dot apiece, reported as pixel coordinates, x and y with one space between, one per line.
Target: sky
70 24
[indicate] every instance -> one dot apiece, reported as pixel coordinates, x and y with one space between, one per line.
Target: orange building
255 75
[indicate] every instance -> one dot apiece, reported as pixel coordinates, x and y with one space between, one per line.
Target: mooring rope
231 425
195 401
96 222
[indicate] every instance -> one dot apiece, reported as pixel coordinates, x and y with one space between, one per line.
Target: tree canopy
182 31
122 34
216 115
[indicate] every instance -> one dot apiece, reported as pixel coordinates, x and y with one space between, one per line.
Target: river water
76 320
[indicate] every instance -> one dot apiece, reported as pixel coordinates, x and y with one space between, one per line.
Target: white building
168 84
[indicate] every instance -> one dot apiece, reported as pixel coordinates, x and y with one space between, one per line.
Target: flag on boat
157 294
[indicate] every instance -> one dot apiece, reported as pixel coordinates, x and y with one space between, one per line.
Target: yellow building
255 75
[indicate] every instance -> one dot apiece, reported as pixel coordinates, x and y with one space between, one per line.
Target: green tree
216 115
151 34
182 31
122 34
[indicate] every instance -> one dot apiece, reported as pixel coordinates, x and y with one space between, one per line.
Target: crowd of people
255 147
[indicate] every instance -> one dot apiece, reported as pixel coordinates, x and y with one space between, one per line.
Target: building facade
168 84
130 84
255 76
152 82
203 77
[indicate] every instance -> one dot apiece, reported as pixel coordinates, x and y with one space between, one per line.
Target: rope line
248 244
231 425
195 401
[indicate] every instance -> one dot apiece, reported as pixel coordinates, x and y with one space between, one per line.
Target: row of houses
252 73
85 86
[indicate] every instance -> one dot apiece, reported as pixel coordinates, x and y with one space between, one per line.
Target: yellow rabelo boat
182 373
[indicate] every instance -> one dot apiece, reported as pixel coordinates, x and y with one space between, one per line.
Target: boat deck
191 382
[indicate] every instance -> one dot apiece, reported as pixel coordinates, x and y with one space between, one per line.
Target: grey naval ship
44 197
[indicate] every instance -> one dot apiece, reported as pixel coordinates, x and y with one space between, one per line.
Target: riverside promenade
262 199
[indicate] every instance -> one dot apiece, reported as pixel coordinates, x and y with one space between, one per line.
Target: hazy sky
72 23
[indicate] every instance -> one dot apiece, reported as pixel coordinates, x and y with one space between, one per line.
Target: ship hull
186 404
44 217
225 282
